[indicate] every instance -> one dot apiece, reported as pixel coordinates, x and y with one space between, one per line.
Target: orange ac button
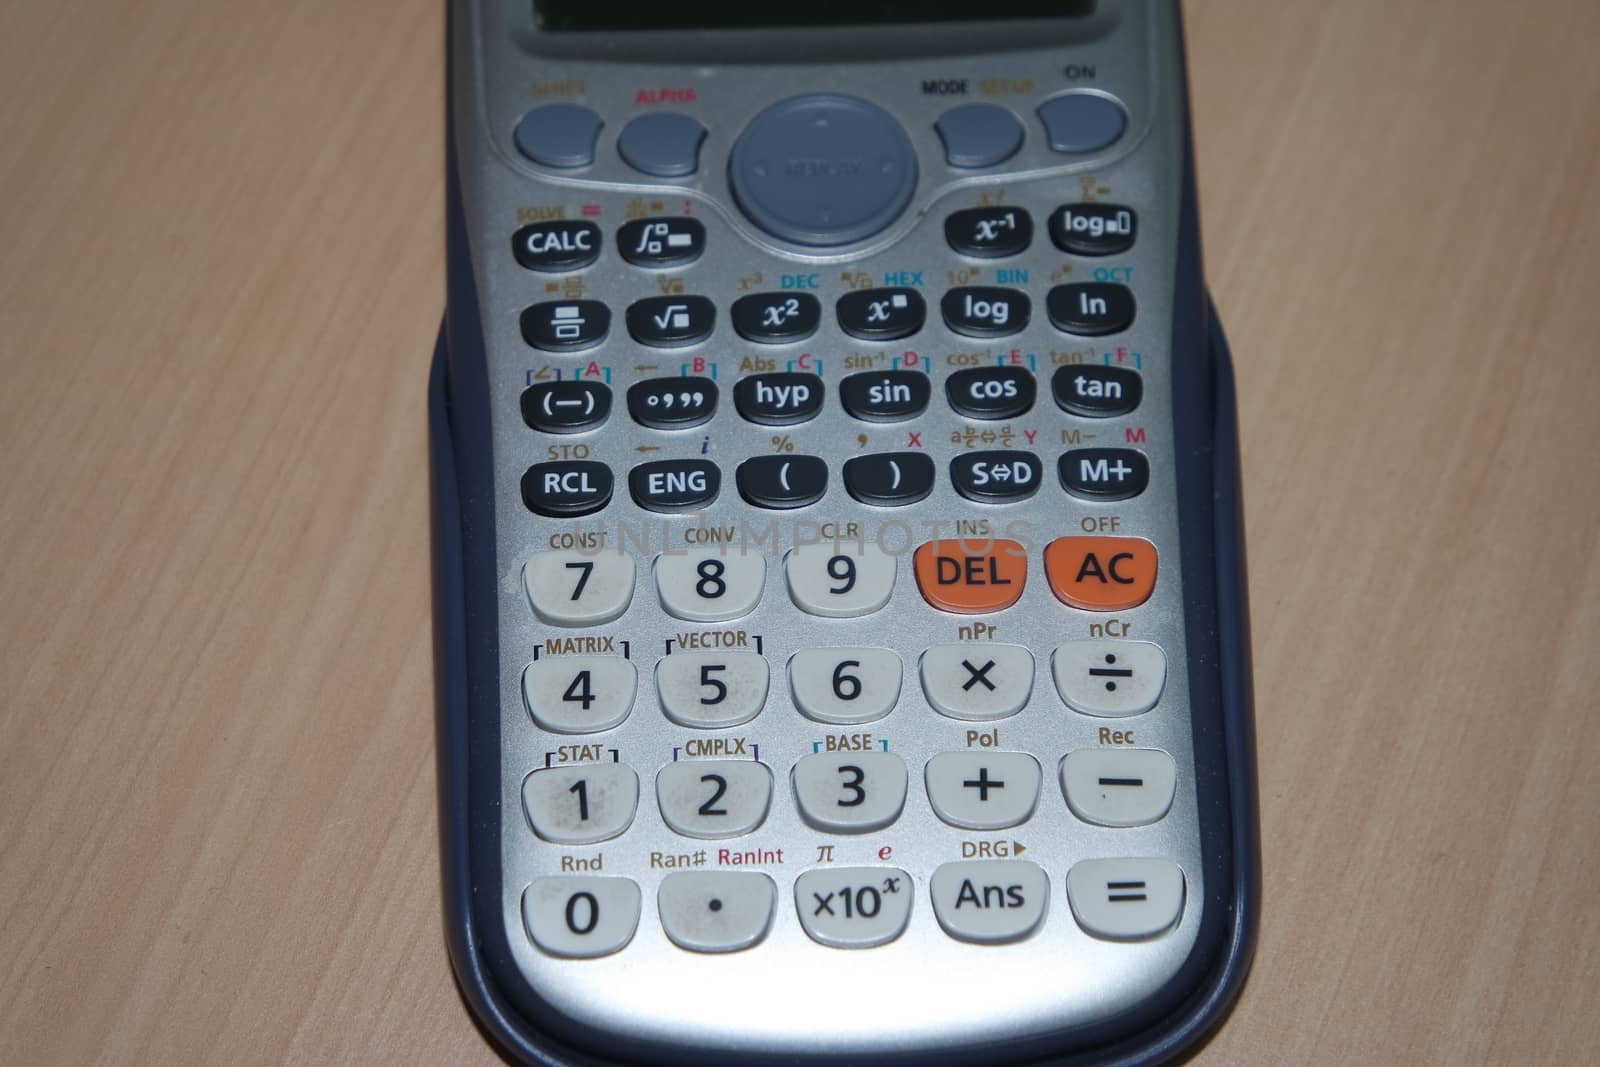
1101 573
971 576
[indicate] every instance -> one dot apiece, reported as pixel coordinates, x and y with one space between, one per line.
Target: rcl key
566 488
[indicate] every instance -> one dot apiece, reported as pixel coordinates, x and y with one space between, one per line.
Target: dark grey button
1093 229
661 242
823 169
782 481
559 135
979 135
1090 309
990 392
996 476
1081 122
562 244
1104 473
566 487
672 403
889 480
989 232
674 484
781 399
665 144
565 407
985 311
776 318
671 321
881 314
885 396
1096 392
566 325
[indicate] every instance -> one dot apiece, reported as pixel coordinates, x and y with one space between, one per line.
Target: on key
782 481
565 407
566 488
881 314
671 321
891 479
985 311
776 318
566 325
1096 392
1090 309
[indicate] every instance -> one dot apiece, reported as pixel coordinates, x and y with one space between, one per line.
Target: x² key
1101 573
972 576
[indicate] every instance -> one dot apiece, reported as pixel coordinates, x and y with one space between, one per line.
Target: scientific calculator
841 635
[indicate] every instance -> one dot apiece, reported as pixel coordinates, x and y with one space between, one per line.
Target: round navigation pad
823 169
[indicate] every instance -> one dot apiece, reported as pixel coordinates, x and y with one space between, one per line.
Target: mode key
565 407
990 392
1090 309
1097 392
881 314
566 488
997 476
559 245
1093 229
781 399
985 311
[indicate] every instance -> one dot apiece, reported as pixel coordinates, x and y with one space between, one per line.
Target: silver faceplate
925 991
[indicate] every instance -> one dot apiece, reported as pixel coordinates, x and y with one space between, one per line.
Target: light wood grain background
220 274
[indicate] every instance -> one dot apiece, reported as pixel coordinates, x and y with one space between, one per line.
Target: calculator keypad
850 793
712 799
710 586
854 907
712 690
568 588
840 581
579 694
581 803
581 917
716 911
983 790
990 902
977 683
845 686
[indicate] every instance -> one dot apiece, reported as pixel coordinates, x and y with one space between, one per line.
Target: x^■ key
978 674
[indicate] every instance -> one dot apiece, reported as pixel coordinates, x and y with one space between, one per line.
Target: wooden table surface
221 274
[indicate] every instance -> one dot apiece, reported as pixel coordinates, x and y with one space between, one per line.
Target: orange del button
971 576
1101 573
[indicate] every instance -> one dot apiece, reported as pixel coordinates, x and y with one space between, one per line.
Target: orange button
971 576
1101 573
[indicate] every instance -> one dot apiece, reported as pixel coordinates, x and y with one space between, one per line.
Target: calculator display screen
590 15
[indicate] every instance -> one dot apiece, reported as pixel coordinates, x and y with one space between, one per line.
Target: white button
983 790
716 911
850 792
1118 786
579 694
710 586
580 804
854 907
990 901
709 690
714 798
1125 900
1110 678
580 916
840 580
845 686
575 589
977 681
